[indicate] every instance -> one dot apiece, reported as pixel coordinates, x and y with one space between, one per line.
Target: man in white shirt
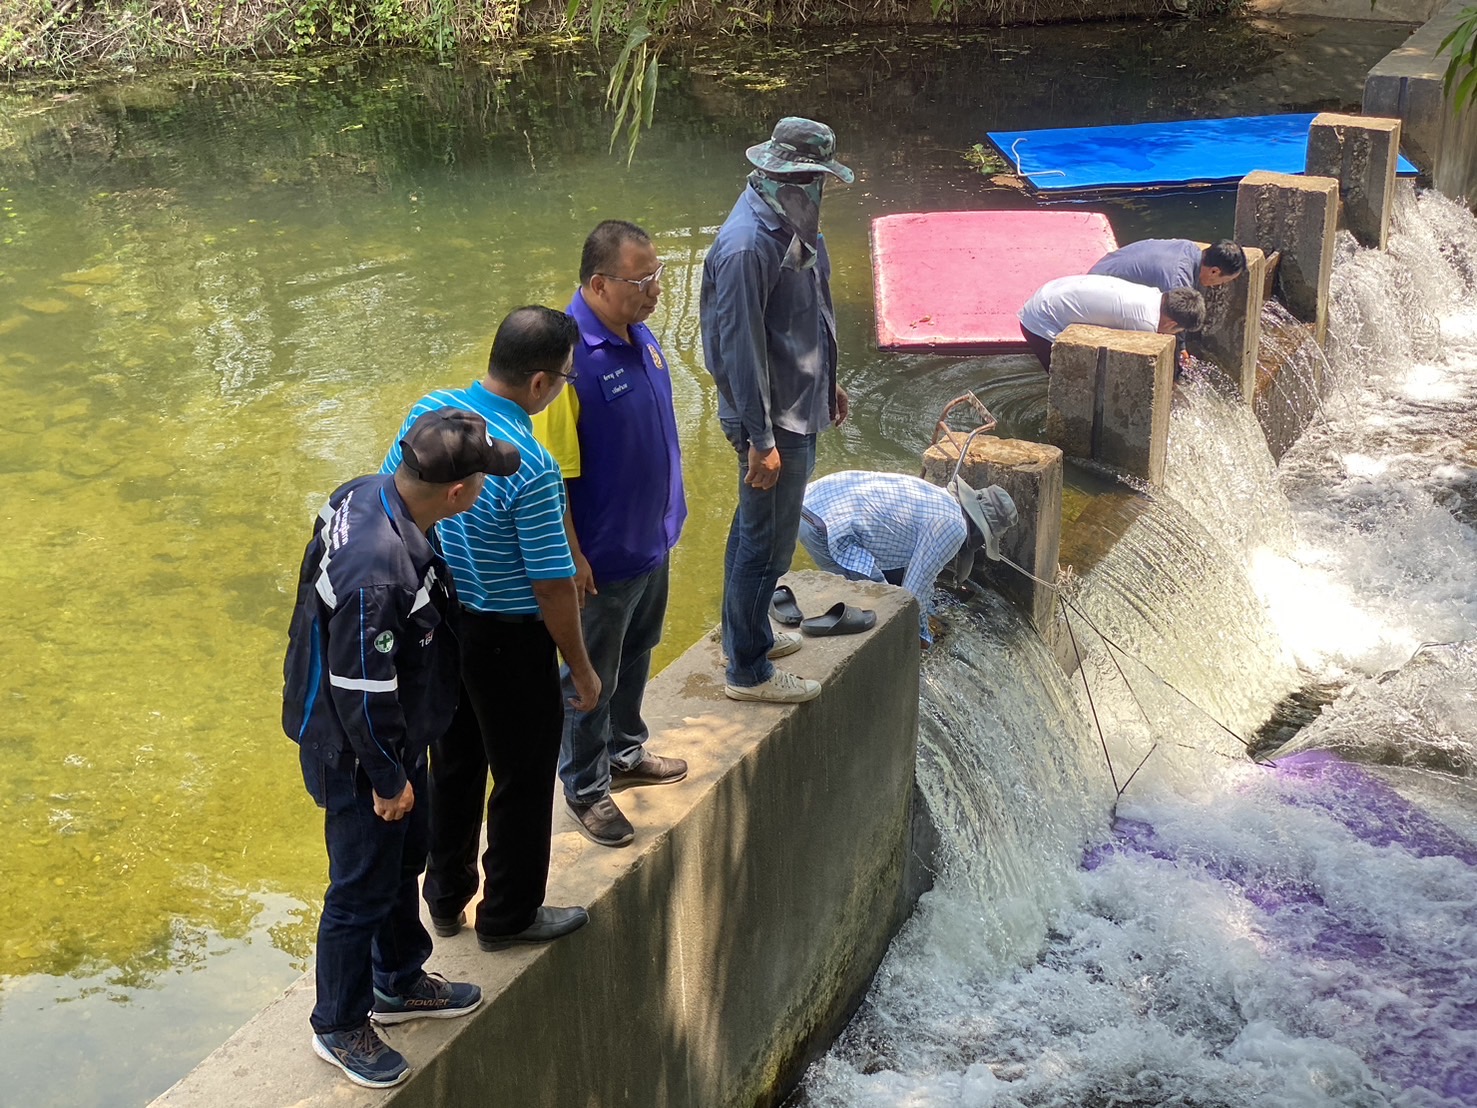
1105 302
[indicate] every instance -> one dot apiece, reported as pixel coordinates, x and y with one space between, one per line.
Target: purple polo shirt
628 503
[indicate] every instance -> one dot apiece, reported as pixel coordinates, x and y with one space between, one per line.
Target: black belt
510 617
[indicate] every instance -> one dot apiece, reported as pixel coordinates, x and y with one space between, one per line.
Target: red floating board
953 281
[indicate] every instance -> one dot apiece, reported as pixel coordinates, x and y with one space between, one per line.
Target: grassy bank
59 38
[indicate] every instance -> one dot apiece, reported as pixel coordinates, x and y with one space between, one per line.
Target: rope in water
1019 172
1068 610
1114 645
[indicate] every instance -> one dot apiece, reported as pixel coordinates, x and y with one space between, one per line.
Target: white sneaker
781 688
785 644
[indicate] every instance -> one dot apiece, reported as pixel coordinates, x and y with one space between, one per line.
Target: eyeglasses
570 376
641 285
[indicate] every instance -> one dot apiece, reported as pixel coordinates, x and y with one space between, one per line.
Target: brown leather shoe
653 769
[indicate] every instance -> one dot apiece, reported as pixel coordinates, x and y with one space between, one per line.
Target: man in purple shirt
614 434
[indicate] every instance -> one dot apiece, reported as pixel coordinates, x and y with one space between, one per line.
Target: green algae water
219 294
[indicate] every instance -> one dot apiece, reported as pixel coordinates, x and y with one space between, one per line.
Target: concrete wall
726 946
1406 85
1377 11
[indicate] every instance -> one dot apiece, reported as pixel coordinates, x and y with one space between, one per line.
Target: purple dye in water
1432 1057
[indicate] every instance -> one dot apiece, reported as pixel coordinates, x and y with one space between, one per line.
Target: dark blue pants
761 542
622 625
370 933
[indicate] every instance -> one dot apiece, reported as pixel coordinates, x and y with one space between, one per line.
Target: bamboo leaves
631 90
1460 80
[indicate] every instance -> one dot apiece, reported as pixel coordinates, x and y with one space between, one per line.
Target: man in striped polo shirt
515 579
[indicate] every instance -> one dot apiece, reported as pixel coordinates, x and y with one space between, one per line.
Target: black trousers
509 721
1040 346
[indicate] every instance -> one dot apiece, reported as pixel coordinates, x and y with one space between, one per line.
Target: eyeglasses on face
643 284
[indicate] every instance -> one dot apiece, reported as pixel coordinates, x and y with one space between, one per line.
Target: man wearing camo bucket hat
769 340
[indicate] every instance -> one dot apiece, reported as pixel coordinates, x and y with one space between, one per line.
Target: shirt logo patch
614 384
656 356
384 642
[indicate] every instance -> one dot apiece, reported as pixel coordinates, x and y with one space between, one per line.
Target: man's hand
764 468
584 578
843 406
586 689
399 808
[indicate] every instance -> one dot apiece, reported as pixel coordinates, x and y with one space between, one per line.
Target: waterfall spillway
1224 933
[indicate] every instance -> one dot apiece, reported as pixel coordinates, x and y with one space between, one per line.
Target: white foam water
1224 933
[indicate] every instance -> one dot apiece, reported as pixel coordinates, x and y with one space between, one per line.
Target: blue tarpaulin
1159 155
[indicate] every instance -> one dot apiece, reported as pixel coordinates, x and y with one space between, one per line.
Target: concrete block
1407 84
1297 216
1031 472
1108 398
726 946
1233 325
1362 153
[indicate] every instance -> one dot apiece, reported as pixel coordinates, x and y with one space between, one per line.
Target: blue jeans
622 625
819 549
370 934
761 542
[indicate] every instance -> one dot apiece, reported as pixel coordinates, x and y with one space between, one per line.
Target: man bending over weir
370 682
1166 264
902 530
1105 302
614 434
769 340
515 579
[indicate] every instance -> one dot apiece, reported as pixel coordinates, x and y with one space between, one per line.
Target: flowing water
219 291
1297 933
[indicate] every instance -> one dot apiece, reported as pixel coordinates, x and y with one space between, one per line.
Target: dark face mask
796 199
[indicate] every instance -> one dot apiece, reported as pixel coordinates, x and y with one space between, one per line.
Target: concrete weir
726 946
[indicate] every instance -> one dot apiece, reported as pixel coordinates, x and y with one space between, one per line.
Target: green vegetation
1461 66
63 39
986 160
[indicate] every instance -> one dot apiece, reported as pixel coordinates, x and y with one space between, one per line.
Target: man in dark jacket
370 679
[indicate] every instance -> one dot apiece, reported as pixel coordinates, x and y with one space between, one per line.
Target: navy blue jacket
372 658
768 326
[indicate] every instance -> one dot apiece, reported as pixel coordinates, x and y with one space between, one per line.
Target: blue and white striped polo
514 533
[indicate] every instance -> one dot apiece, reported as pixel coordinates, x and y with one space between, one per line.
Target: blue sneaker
363 1056
432 997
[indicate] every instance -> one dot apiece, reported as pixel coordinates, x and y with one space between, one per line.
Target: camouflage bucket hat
800 146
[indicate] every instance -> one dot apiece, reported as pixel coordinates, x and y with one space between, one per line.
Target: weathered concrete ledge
1361 153
1295 216
1406 85
1108 398
1233 325
726 946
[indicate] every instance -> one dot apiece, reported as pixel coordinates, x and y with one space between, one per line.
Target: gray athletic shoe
785 644
602 822
781 688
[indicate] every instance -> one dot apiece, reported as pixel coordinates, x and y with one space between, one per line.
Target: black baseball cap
450 444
